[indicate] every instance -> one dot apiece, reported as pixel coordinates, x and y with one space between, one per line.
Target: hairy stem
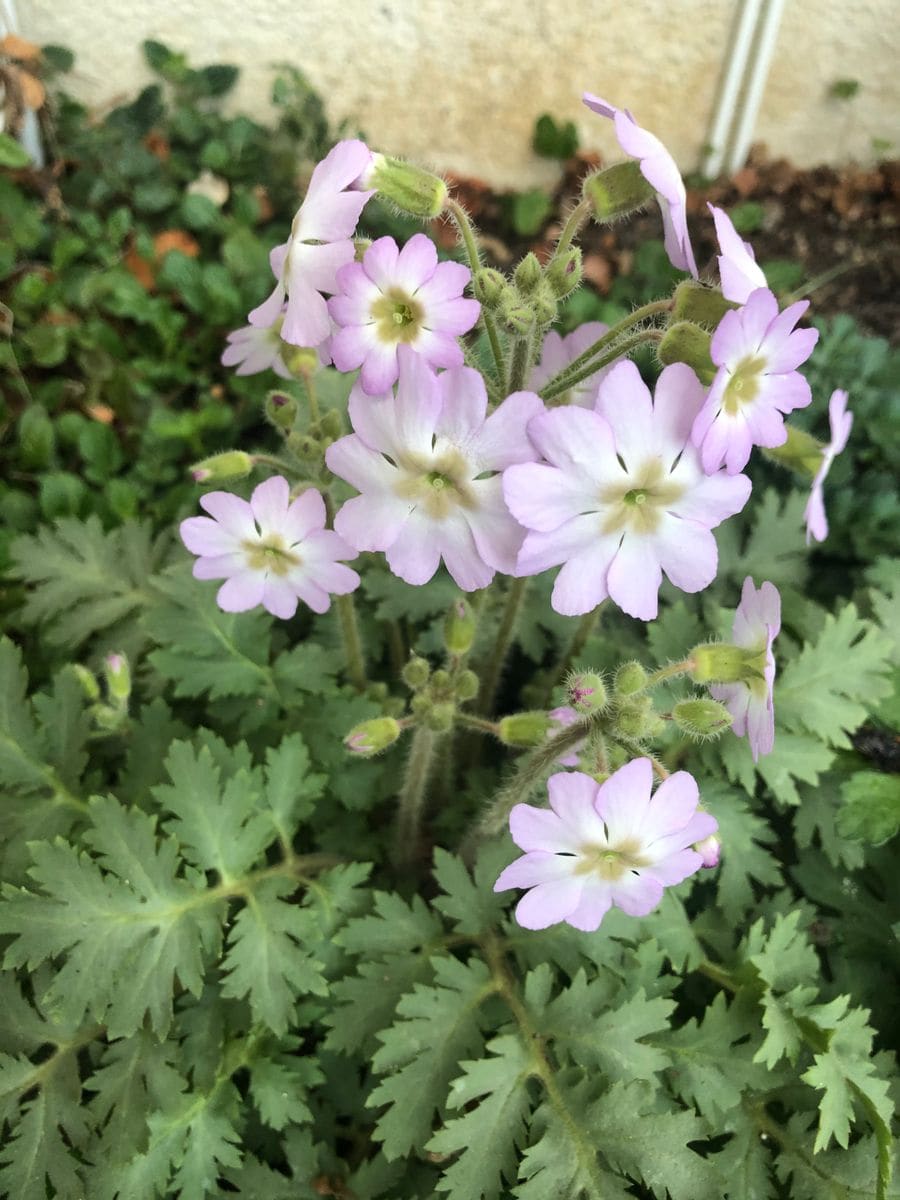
672 671
575 222
521 363
467 236
491 678
582 633
412 794
563 382
356 663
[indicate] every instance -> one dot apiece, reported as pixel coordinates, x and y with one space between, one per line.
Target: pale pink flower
757 622
739 272
710 850
659 169
621 496
427 463
399 298
556 354
562 718
269 550
306 265
604 844
757 351
841 423
253 349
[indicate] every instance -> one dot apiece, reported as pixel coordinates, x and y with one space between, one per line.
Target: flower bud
488 285
515 313
636 719
459 627
718 662
564 273
586 692
301 361
467 685
281 410
304 446
371 737
410 188
232 464
630 679
439 718
703 305
420 704
440 679
617 191
88 681
118 678
524 729
701 717
528 274
544 303
686 342
710 850
377 691
332 425
415 673
801 452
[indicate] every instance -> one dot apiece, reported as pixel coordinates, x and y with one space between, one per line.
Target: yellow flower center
611 863
398 316
639 504
439 486
270 554
743 385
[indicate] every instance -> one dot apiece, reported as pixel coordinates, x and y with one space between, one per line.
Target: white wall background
458 83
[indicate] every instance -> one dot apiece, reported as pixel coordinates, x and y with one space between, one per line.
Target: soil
840 225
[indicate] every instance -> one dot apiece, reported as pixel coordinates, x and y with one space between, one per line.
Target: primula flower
757 621
562 718
605 844
841 423
622 496
307 264
556 354
757 351
399 298
659 169
419 458
252 350
269 551
739 272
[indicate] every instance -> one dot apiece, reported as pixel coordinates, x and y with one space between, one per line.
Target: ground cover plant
449 746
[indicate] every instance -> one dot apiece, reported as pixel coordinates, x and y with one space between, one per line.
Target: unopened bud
377 691
801 452
636 719
524 729
459 627
467 685
118 678
440 679
701 717
332 425
630 679
232 464
410 188
88 681
415 673
439 718
688 343
281 410
371 737
528 274
420 704
360 246
517 315
586 692
488 285
703 305
710 850
565 272
617 191
301 361
304 446
718 662
544 304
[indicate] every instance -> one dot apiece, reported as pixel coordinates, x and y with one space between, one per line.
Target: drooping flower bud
719 662
564 273
281 410
415 673
617 191
586 692
688 343
231 464
459 627
696 302
701 717
524 729
371 737
412 189
118 678
630 679
710 850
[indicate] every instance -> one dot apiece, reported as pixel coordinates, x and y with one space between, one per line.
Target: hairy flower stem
521 363
356 664
620 350
583 631
312 396
607 340
575 222
672 671
412 794
477 723
491 677
467 236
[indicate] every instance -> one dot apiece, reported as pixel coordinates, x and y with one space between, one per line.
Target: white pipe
30 133
759 70
735 71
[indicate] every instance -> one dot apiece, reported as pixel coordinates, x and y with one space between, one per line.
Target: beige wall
459 85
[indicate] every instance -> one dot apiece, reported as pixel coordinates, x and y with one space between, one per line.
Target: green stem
579 640
521 362
312 395
550 391
575 222
477 723
672 671
718 975
491 678
467 237
610 337
412 794
356 663
280 464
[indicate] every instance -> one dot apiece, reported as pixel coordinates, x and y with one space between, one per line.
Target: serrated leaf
278 1085
773 549
421 1052
470 903
871 809
291 789
490 1133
